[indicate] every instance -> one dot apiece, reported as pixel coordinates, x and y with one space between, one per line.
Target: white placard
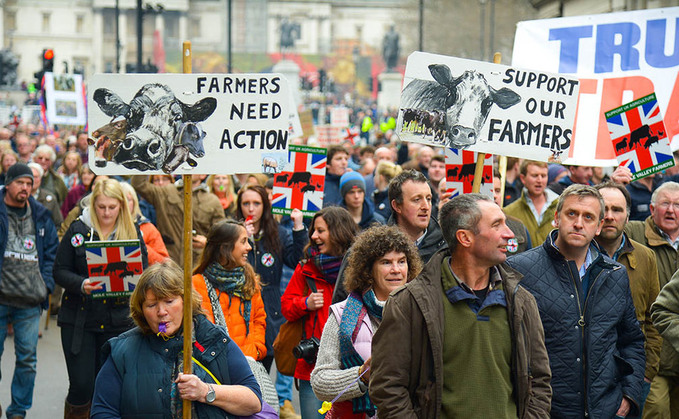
187 123
485 107
619 57
64 100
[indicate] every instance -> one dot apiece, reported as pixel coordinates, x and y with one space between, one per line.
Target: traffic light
47 65
47 60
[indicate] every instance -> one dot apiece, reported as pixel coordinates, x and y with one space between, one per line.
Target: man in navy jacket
594 342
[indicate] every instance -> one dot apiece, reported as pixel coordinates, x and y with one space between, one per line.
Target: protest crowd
558 296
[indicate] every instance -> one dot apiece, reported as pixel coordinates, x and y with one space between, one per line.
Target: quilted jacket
595 344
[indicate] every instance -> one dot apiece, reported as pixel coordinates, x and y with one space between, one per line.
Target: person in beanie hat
28 244
352 188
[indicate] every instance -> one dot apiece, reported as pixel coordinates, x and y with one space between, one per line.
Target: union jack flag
300 184
639 137
117 265
460 166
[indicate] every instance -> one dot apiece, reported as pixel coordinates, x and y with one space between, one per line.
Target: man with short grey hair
587 310
45 156
463 337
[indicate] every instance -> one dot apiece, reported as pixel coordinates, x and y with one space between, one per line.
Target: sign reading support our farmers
486 107
187 123
619 57
300 184
639 137
460 166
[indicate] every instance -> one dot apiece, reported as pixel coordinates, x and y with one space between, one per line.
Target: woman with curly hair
310 290
382 259
230 287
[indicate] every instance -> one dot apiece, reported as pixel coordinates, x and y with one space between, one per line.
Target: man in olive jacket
660 233
665 313
464 336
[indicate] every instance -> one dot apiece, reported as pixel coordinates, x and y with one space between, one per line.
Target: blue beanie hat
351 180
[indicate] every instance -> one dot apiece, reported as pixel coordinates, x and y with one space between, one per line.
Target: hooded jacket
45 238
595 344
368 216
407 355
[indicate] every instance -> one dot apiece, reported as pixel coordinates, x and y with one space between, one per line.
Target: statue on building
290 32
390 49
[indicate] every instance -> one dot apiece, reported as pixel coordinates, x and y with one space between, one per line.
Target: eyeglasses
665 205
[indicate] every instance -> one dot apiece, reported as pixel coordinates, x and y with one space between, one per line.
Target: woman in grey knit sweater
381 260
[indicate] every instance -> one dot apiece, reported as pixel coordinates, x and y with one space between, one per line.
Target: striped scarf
354 312
230 281
328 265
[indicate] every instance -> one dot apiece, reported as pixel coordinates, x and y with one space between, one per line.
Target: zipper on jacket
581 324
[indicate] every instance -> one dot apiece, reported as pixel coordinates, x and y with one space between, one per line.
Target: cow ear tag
77 240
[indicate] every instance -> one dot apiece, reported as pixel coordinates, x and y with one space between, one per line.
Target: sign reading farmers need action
301 181
187 123
460 167
486 107
639 137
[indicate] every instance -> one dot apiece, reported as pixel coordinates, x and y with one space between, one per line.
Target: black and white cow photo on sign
486 107
187 123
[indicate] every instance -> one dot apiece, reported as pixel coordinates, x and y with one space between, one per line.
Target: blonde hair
388 170
78 166
124 227
230 190
129 190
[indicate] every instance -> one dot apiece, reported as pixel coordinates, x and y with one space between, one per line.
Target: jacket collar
652 235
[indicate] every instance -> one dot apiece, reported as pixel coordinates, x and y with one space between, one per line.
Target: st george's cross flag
116 265
639 137
460 167
301 181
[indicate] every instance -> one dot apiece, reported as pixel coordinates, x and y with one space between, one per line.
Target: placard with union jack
116 265
639 137
460 166
300 184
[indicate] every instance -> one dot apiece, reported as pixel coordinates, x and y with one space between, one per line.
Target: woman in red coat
309 292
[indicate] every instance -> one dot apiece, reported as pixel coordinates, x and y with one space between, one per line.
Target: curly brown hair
369 247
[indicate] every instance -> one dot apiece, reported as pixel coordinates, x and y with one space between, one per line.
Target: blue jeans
26 322
308 403
283 387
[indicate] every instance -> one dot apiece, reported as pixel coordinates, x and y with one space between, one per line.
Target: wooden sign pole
480 160
188 254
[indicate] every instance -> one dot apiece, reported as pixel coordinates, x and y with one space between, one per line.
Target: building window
79 23
109 18
46 22
194 27
11 21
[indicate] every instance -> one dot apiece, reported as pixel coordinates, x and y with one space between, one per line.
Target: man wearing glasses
660 232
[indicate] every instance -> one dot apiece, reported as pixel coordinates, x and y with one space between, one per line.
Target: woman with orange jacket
230 288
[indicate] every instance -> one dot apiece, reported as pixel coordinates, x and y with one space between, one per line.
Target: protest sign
639 137
307 121
301 181
328 135
460 166
339 116
484 107
64 99
619 57
186 123
116 265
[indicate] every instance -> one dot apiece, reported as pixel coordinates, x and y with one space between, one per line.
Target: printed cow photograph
451 110
154 131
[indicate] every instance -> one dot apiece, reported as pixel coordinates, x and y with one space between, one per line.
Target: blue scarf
352 317
230 281
328 265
